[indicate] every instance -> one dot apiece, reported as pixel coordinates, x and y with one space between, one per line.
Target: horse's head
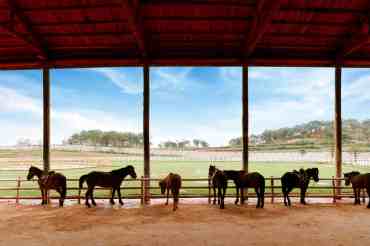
314 173
211 170
162 184
348 176
32 171
131 171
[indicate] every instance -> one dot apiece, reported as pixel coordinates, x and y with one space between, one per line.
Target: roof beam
265 11
358 40
31 38
135 24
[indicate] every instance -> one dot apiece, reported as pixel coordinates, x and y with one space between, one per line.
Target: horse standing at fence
234 175
251 180
111 179
358 181
51 180
218 180
171 182
298 179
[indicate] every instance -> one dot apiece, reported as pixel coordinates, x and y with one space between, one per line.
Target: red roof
83 33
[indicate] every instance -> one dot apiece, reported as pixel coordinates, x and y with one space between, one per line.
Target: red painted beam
135 24
265 11
31 39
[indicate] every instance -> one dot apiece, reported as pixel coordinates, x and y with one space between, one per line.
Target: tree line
313 132
197 143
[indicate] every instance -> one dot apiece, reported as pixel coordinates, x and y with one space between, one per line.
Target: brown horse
52 180
218 180
171 182
112 179
358 181
251 180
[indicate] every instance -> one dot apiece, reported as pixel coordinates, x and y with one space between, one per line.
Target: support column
338 125
46 119
146 136
245 117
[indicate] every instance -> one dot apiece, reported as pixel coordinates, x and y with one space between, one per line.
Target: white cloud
12 101
121 80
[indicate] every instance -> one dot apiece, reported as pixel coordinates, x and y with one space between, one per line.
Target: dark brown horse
218 180
358 181
50 181
295 179
251 180
171 182
111 179
234 175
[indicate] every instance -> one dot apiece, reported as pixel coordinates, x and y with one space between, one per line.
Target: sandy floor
193 225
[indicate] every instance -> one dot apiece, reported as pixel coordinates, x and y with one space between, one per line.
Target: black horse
51 180
111 179
234 175
358 181
300 180
218 180
251 180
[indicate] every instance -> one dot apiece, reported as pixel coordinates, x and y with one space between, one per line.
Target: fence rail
273 191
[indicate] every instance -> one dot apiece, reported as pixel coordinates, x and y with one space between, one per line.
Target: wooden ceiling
87 33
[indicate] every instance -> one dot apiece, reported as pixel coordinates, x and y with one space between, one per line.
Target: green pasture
187 169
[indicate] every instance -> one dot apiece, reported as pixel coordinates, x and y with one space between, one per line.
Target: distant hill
312 133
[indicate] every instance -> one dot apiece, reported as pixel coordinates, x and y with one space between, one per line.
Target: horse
112 179
52 180
298 179
358 181
234 176
251 180
219 181
171 182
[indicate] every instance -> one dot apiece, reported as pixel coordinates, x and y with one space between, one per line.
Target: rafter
31 38
135 24
265 11
359 38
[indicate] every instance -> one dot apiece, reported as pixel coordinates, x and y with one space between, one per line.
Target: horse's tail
283 184
82 180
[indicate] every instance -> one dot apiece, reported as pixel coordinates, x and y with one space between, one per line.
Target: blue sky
186 102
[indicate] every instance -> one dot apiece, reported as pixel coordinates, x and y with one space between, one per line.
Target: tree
204 144
196 142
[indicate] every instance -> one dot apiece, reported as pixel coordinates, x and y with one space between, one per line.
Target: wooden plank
338 125
46 119
146 135
32 39
245 116
260 23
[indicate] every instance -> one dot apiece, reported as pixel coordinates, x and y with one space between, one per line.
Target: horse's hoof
112 202
121 203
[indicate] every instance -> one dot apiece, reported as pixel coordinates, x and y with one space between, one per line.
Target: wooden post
146 136
334 194
209 191
18 187
338 127
46 119
79 195
272 190
245 117
142 190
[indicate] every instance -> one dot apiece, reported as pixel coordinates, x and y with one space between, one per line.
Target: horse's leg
283 188
87 195
167 195
359 196
368 194
241 195
303 195
42 196
214 194
119 196
112 197
258 197
92 196
223 196
289 189
237 195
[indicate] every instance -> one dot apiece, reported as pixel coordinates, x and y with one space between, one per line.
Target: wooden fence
273 190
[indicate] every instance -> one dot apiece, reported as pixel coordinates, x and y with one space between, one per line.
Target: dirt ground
315 224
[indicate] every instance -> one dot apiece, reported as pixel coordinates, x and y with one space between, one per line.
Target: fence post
18 187
142 191
272 189
334 190
79 195
209 191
